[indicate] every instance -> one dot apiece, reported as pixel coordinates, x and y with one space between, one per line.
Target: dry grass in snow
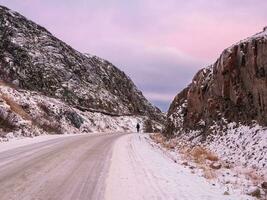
15 107
209 165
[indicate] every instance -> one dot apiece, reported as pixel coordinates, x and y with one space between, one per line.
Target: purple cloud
160 44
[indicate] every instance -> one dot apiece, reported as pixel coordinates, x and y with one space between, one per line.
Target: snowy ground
139 170
240 152
67 168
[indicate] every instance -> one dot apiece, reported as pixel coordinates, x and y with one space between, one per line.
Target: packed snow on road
140 171
137 169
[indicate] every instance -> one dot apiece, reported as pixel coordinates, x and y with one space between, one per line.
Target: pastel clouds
160 44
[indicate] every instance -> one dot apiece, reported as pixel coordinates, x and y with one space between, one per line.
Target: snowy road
96 167
140 171
67 168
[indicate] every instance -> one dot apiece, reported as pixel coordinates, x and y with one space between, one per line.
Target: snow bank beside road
140 171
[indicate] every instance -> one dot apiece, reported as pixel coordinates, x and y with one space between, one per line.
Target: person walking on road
138 127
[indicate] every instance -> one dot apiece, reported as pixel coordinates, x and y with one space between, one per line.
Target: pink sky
160 44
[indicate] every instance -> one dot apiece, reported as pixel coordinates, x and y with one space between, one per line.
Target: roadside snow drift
140 171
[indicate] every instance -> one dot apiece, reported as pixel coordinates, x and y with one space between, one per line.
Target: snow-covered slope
33 59
39 73
224 109
27 113
139 170
234 88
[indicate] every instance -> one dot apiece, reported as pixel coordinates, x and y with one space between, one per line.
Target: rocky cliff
33 59
233 89
84 88
224 112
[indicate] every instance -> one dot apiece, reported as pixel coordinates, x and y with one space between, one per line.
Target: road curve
64 168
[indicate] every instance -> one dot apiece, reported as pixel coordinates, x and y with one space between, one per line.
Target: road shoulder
140 171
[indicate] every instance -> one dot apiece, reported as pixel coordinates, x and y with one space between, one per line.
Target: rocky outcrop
33 59
233 89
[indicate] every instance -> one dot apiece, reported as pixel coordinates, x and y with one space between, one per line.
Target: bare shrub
197 154
253 176
6 125
43 107
200 154
209 173
15 107
158 138
163 141
51 127
171 144
47 123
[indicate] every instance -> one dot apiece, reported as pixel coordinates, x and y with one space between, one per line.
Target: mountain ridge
233 88
46 86
63 72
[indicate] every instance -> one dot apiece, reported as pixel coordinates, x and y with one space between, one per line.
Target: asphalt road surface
68 168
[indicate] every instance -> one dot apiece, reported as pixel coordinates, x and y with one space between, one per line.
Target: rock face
31 58
233 89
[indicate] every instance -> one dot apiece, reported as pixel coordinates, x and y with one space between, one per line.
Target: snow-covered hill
40 72
233 88
224 109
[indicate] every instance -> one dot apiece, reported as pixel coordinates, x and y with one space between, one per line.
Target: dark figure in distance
138 127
